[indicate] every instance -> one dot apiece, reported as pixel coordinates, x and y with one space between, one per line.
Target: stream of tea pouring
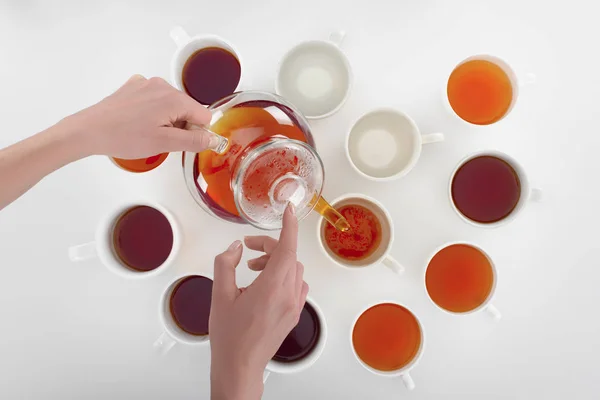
291 189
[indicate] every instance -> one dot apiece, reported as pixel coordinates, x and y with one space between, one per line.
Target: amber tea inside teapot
269 161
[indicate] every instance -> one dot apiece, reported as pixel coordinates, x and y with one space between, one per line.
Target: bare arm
24 164
141 119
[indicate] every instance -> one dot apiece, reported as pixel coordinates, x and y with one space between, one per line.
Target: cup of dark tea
184 311
303 345
206 67
135 240
490 188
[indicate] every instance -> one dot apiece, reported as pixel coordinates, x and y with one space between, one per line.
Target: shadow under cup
383 242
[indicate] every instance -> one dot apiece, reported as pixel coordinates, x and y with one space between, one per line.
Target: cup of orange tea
388 340
139 165
460 279
483 89
369 240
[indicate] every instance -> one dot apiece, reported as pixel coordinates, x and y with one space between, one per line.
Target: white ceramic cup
186 46
304 363
404 372
486 305
527 192
385 144
102 246
315 76
172 333
382 254
516 83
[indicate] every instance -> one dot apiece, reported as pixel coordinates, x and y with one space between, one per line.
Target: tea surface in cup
480 92
387 337
190 304
210 74
363 238
486 189
302 340
459 278
142 238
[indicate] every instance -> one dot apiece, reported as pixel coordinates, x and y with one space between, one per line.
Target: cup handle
408 381
337 37
393 264
82 252
179 36
536 195
528 79
164 343
432 138
266 375
493 311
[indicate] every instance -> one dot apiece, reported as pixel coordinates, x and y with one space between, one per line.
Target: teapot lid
276 172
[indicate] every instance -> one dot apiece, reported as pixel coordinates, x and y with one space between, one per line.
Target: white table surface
77 331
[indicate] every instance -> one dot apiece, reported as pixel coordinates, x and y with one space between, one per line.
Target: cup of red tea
135 240
207 67
388 340
368 242
184 311
460 279
483 89
490 188
139 165
303 345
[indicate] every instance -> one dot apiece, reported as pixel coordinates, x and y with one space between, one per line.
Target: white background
77 331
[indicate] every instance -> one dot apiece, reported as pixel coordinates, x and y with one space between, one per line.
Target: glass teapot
266 159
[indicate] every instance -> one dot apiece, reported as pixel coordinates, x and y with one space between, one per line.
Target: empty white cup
315 76
385 144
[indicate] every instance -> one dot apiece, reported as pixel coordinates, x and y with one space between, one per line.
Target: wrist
237 383
71 132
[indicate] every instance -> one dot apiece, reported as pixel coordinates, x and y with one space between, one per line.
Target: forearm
25 163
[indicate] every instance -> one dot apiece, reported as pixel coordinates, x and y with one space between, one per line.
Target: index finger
283 257
288 239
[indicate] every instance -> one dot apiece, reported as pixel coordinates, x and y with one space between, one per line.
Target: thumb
224 284
195 139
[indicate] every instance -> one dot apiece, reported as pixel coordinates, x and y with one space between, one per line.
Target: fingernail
292 208
251 263
234 246
218 143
